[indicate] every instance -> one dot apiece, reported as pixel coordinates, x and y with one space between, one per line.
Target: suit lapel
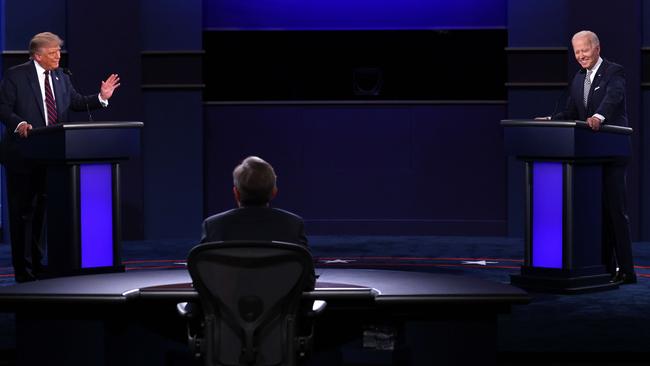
597 79
36 89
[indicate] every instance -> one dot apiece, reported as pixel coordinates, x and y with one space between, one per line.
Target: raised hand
108 86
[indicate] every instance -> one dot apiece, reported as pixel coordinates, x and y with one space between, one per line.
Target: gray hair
255 180
42 40
588 34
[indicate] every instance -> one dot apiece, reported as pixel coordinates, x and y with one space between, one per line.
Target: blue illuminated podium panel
563 232
83 196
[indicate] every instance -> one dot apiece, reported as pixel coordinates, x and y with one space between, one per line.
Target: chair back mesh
250 293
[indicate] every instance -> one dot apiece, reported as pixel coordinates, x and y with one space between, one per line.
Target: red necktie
49 100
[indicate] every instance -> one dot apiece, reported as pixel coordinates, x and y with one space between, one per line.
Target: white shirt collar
39 69
596 66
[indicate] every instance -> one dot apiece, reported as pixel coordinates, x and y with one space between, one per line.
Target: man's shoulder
21 68
221 215
610 66
255 211
286 213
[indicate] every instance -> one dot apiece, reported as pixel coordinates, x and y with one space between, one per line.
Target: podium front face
547 214
563 187
98 206
83 175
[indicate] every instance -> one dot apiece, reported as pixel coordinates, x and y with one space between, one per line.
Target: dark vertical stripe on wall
644 131
645 168
534 27
172 89
3 188
103 38
173 164
3 24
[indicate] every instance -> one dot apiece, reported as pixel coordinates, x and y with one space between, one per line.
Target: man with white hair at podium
597 96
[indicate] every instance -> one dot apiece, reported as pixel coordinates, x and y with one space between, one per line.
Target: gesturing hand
109 86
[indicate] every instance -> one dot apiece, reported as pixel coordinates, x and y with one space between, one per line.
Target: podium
83 194
563 206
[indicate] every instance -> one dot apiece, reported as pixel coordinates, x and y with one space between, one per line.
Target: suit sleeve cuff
103 101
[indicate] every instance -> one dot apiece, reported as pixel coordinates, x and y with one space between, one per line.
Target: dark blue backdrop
416 170
399 169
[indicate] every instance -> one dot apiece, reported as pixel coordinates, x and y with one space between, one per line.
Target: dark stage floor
610 327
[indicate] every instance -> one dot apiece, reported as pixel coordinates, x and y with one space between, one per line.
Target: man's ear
274 193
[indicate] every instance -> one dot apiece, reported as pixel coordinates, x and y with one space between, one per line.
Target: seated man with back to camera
254 188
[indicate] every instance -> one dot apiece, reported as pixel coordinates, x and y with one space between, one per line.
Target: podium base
564 281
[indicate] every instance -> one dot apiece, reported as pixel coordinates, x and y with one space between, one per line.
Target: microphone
68 72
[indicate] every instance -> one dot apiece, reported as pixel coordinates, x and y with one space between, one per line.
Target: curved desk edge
571 124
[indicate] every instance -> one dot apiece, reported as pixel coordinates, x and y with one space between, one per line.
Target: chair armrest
317 307
184 309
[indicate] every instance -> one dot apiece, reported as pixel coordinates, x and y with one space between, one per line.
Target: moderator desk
130 318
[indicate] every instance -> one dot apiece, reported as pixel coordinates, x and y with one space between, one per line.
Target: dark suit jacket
606 96
257 223
21 100
254 223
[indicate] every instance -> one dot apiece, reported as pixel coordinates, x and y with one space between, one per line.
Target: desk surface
378 286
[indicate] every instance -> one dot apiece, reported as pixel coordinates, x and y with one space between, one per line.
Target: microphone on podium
68 72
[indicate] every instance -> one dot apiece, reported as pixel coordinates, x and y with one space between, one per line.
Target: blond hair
42 40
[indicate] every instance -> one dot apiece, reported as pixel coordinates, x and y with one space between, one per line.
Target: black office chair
250 297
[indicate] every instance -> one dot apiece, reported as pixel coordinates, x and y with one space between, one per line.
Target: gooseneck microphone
68 72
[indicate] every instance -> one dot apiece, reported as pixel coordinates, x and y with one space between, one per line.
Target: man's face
585 52
48 57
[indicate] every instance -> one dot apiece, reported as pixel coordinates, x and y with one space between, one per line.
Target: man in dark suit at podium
254 188
597 96
33 95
